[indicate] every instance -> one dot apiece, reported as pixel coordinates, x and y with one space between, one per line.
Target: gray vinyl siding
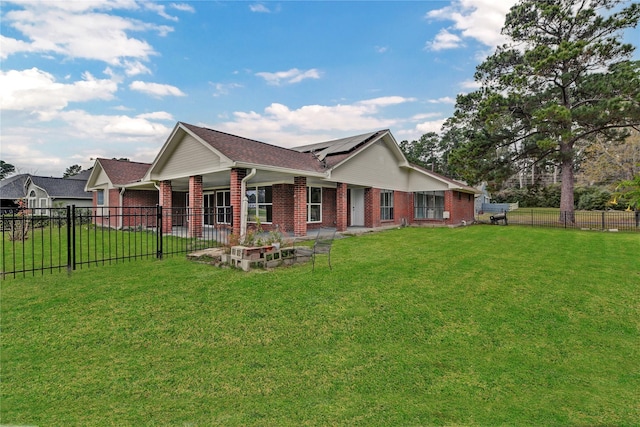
190 157
419 181
102 180
376 167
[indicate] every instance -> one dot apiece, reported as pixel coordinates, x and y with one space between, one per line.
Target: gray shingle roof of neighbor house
250 151
122 172
62 187
13 186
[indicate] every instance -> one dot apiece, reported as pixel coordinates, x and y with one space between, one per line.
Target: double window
314 204
260 204
386 205
223 207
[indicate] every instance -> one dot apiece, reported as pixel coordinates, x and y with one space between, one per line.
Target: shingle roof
13 187
122 172
250 151
62 187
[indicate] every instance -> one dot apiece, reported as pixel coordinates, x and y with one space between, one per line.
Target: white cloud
159 9
155 89
291 76
418 117
182 7
470 85
224 88
285 126
106 127
443 100
444 40
134 68
381 49
80 29
37 91
259 8
481 20
157 115
430 126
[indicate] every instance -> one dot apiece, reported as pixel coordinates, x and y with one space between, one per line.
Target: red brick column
371 207
300 206
448 205
341 207
195 205
165 200
236 197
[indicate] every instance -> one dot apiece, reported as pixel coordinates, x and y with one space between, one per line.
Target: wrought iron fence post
69 260
73 236
603 220
160 231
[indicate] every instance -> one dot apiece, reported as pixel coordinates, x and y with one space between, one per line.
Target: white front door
357 207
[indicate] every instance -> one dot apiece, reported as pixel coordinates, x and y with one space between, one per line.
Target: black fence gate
58 239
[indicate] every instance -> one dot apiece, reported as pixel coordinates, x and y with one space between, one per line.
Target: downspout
245 203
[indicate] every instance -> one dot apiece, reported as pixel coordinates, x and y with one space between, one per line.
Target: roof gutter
245 203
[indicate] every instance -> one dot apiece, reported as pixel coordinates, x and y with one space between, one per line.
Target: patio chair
321 245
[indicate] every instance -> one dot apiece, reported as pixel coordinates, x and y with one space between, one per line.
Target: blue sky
87 79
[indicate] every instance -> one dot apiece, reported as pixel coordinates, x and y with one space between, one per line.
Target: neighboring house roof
249 151
84 175
60 188
13 186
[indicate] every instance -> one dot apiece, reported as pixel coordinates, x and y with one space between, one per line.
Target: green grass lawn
481 325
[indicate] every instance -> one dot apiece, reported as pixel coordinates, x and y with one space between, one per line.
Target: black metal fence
57 239
584 220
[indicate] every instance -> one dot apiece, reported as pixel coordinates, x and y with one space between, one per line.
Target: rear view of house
230 181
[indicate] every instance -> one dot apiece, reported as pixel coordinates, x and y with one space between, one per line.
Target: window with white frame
386 205
32 200
260 204
428 204
100 197
223 206
314 204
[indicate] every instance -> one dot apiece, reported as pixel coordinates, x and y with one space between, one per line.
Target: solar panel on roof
336 146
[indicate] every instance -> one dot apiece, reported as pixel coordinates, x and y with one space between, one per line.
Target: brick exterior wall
372 207
282 217
236 197
195 204
139 208
166 200
342 207
300 206
460 207
289 213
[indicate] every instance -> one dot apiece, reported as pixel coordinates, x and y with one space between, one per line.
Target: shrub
592 198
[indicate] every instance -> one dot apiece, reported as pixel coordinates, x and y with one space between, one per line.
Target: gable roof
251 152
122 172
60 187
